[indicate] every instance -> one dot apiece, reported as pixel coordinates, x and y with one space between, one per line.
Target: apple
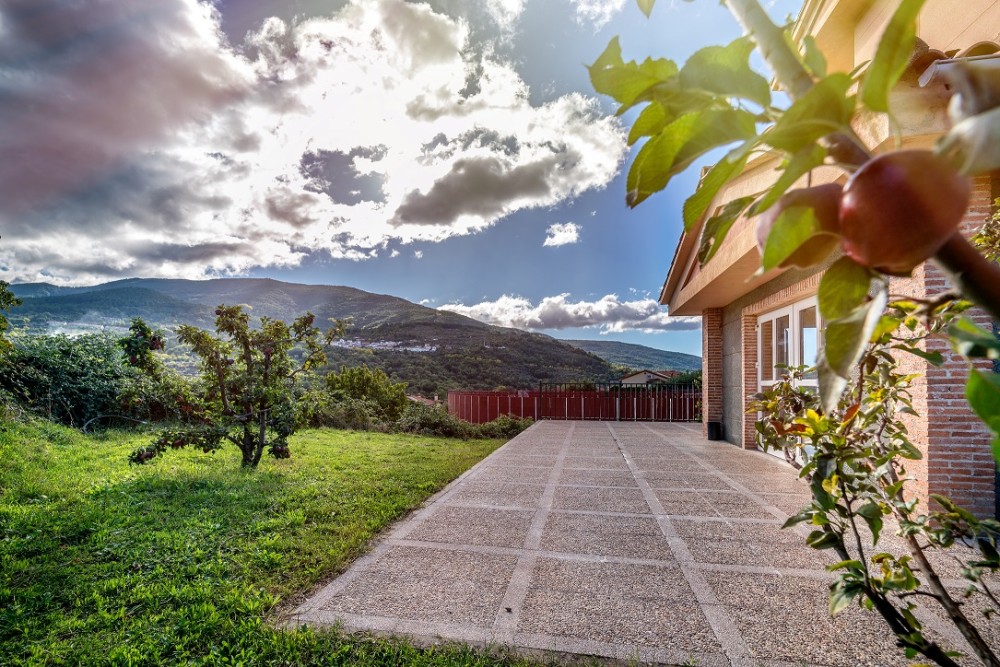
899 208
824 200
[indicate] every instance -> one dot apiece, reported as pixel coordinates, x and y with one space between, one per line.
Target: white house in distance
752 323
649 377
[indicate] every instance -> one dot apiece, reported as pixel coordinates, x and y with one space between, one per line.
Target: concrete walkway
642 542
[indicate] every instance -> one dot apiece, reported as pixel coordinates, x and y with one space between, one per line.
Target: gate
619 402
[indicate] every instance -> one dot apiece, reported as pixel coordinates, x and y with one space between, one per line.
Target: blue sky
452 152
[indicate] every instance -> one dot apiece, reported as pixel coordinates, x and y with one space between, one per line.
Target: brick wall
711 366
749 326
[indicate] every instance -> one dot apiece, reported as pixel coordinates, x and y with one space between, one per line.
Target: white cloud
505 12
609 313
597 12
562 234
394 253
334 135
419 254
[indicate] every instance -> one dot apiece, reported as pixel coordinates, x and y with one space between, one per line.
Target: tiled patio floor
642 542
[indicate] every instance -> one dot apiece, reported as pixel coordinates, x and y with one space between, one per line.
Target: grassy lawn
184 560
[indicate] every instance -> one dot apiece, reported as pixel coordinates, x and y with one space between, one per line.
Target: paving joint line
722 624
509 614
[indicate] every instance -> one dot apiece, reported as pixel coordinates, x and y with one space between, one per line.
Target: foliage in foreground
855 459
897 210
185 562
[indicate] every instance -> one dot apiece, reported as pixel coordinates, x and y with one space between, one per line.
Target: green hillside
432 350
638 357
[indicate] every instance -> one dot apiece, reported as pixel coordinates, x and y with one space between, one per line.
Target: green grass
186 560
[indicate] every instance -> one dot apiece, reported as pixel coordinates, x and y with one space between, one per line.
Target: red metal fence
479 407
604 402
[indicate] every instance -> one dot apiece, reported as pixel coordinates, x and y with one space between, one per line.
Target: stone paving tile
770 483
642 605
755 544
596 462
513 474
630 537
619 478
668 479
786 618
620 621
710 503
407 583
600 500
789 503
527 460
669 465
503 494
474 525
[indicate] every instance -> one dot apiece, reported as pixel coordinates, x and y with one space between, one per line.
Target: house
649 377
752 323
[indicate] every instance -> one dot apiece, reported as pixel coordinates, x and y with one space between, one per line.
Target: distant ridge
638 357
432 350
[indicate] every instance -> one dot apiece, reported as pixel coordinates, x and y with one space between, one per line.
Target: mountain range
432 350
638 357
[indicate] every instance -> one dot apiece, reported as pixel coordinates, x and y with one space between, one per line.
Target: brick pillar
749 343
711 366
960 463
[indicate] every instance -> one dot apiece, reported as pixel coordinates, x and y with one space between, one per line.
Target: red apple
899 208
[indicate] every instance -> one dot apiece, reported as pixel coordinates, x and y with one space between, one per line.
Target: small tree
7 301
247 378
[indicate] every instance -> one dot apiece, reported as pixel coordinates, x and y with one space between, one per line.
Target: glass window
808 338
782 353
789 336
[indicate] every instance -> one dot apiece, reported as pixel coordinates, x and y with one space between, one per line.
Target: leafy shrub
68 380
384 398
504 426
427 420
317 408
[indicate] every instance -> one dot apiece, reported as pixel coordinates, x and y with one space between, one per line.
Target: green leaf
646 6
721 173
629 82
725 70
680 143
843 288
972 341
804 515
892 56
821 539
831 386
847 336
983 393
794 168
651 121
935 358
842 593
793 227
825 109
814 59
716 227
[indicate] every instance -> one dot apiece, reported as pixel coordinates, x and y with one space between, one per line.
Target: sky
450 152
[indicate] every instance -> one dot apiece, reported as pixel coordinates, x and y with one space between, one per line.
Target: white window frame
794 313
